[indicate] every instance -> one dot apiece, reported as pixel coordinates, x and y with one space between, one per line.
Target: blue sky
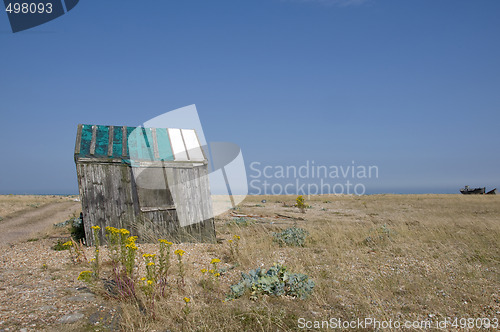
410 86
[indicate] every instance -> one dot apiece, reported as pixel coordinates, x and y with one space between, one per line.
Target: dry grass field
387 257
10 204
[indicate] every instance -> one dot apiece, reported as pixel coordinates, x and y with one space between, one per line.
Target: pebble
48 308
82 297
70 318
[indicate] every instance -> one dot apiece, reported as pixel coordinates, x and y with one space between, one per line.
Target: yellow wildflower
203 270
124 231
179 252
96 227
187 299
69 243
111 230
237 237
216 274
230 241
151 263
211 271
143 278
84 275
150 282
215 260
131 239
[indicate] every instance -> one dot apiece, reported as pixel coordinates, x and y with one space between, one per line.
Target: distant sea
369 191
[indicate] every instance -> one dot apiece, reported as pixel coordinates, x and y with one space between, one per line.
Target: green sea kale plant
292 236
276 281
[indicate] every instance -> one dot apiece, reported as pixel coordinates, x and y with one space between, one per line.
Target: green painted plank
131 143
117 142
141 144
164 148
138 145
86 140
101 143
148 152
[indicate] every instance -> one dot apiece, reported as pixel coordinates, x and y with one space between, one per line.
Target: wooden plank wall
106 195
109 198
191 185
192 219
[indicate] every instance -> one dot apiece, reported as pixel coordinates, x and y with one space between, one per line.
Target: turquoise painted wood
117 142
164 147
140 144
86 139
102 141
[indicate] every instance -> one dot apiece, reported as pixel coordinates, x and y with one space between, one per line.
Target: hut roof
137 144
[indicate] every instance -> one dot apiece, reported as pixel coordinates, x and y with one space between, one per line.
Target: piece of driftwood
240 215
289 217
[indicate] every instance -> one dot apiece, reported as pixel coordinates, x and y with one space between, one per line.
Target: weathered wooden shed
151 181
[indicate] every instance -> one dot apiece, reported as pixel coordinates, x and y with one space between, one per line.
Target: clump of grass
293 236
60 246
276 281
241 221
378 236
76 252
234 247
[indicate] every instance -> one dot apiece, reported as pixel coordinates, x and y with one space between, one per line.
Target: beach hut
151 181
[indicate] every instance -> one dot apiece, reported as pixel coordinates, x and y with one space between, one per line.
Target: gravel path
25 224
